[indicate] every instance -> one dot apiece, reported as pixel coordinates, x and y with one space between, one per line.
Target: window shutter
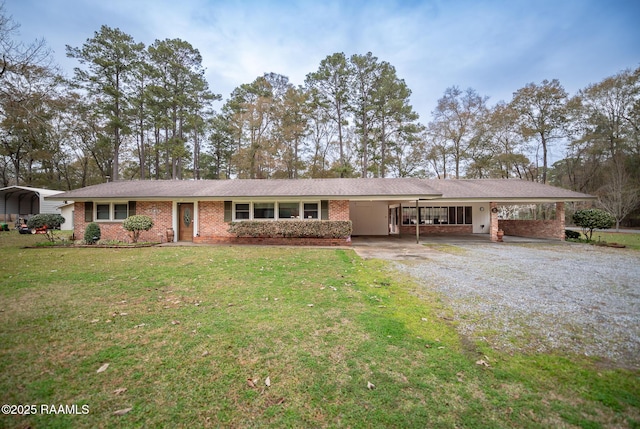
324 210
88 211
132 208
228 215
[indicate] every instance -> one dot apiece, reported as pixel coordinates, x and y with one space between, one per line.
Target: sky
495 47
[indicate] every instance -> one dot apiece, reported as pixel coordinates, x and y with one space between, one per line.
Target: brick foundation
274 241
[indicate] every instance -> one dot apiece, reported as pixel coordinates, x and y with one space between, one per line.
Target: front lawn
277 337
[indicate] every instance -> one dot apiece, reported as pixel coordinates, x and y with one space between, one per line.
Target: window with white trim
111 211
457 215
311 210
288 210
277 210
242 211
264 211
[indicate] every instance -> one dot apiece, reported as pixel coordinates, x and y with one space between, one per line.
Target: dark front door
185 228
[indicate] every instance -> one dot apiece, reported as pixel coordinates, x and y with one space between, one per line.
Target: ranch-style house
202 211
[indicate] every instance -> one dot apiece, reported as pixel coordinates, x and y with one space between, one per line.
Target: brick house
202 211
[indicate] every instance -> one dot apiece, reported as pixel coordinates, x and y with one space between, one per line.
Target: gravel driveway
539 297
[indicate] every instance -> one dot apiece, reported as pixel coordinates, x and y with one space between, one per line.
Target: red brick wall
159 211
553 229
338 210
211 220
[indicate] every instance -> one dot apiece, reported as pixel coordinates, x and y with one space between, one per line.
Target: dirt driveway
530 295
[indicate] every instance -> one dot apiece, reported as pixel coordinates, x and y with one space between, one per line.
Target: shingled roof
348 189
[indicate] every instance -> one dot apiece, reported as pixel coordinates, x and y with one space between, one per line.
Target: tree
455 123
110 58
29 86
365 71
542 115
136 224
330 89
591 219
395 119
619 196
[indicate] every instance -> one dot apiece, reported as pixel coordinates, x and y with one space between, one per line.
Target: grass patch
192 333
629 239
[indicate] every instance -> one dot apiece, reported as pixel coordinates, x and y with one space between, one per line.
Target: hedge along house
204 211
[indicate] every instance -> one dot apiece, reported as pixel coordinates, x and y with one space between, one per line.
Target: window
111 211
276 210
103 211
409 216
242 211
311 210
437 215
264 210
120 211
289 211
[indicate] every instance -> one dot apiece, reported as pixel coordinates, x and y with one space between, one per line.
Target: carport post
417 221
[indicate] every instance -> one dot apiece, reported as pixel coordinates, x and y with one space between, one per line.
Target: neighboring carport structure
23 201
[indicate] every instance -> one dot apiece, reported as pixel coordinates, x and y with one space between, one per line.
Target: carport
22 201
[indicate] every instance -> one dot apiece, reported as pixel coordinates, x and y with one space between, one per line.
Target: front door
185 224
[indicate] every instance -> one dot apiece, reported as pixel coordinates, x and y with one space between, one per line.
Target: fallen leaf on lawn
482 362
460 376
251 383
267 382
205 353
175 322
140 325
370 385
95 320
441 348
103 368
424 319
428 346
120 390
122 412
309 305
277 401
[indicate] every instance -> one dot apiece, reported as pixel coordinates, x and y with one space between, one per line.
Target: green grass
629 239
184 328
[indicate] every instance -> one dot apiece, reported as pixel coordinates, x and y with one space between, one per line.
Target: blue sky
495 47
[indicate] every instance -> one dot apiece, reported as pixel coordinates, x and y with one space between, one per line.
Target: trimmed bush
292 229
136 224
92 233
49 221
571 235
592 219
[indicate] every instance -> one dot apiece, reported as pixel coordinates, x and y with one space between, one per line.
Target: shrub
571 235
592 219
292 229
92 233
49 221
136 224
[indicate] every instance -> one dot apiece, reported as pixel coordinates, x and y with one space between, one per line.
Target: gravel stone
571 298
